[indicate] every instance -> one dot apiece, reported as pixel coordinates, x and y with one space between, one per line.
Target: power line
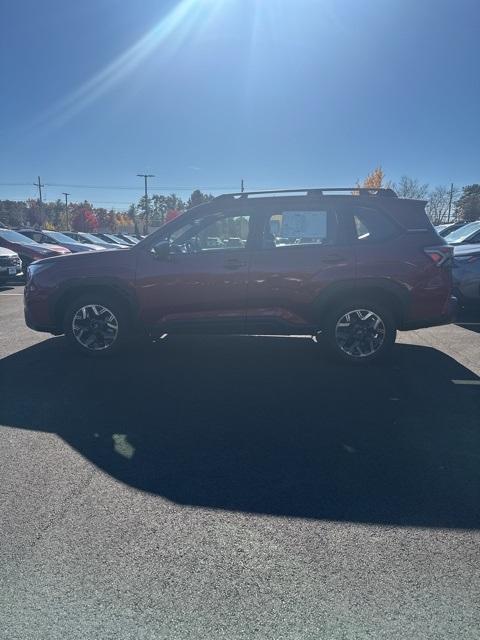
119 187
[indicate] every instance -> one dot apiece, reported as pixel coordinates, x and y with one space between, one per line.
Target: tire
106 323
359 332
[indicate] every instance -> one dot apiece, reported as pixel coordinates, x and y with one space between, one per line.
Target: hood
7 253
55 248
89 257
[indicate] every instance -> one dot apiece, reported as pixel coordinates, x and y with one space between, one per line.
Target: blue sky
282 93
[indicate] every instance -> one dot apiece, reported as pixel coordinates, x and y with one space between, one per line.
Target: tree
375 179
197 197
132 215
439 202
12 214
84 219
468 205
172 214
411 188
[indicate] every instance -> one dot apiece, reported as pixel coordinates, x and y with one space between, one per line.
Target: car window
295 228
14 236
371 225
463 233
216 232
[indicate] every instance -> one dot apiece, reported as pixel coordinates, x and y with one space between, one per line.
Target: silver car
10 265
466 272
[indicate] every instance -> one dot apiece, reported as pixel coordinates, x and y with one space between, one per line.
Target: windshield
93 239
13 236
59 237
461 234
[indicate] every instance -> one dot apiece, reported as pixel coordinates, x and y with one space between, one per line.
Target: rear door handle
234 263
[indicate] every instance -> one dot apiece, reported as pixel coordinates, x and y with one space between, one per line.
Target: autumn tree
84 219
375 179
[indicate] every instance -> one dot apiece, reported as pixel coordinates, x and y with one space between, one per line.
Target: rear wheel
359 332
96 325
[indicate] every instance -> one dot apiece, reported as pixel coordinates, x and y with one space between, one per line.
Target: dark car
466 273
10 265
111 239
126 238
89 239
58 238
28 249
373 264
466 234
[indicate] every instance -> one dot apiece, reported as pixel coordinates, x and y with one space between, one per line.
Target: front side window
215 232
294 228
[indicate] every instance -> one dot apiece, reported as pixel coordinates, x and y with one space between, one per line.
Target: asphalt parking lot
239 488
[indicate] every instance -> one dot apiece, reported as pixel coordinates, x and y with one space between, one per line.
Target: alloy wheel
95 327
360 333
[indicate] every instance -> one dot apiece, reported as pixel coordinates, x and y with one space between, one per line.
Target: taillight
440 255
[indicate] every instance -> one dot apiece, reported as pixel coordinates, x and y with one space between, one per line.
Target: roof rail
317 191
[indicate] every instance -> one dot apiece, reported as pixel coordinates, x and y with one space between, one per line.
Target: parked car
58 238
27 249
126 237
374 265
466 234
444 229
466 273
111 239
10 265
89 238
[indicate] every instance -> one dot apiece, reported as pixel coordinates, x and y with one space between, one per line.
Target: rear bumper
446 317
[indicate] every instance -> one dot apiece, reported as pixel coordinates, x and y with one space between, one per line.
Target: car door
201 285
301 251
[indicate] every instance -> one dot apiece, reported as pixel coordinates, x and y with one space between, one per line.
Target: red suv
350 266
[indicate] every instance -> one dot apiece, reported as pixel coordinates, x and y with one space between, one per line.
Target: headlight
36 267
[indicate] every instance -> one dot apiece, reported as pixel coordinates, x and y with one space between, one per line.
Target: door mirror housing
161 250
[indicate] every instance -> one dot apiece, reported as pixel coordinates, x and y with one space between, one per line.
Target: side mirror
161 250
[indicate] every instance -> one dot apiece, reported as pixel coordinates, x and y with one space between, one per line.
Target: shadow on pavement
469 318
265 425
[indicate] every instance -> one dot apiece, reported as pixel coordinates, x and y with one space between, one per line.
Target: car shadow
469 318
265 425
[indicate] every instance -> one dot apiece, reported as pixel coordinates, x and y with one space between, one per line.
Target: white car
10 265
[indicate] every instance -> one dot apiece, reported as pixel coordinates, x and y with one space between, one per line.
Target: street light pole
146 176
66 209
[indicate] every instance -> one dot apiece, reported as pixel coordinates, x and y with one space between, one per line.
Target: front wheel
96 325
358 332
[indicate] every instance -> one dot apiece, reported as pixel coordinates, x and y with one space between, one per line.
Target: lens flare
173 29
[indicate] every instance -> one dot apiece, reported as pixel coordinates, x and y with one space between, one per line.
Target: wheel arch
383 291
75 289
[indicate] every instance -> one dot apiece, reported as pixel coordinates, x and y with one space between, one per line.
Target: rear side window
372 225
296 228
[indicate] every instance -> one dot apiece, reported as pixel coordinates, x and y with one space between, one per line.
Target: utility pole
39 186
66 209
450 201
242 187
146 176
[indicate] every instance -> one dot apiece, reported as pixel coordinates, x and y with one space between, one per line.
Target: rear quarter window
371 225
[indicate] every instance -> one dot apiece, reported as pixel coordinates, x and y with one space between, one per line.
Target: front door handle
234 263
